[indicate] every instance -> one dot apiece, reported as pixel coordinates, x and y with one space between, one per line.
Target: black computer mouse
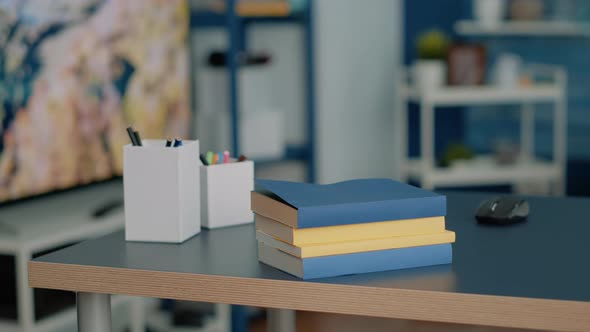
502 210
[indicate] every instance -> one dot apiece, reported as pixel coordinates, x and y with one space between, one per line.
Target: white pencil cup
225 189
161 187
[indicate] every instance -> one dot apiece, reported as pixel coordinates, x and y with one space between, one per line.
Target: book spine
346 214
376 261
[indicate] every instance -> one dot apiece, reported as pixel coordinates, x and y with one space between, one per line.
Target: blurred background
485 95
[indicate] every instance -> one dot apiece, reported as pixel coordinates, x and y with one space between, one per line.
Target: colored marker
177 142
137 138
220 158
242 158
168 143
225 157
209 158
131 134
215 157
203 160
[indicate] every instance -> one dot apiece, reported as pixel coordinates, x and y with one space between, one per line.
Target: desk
530 275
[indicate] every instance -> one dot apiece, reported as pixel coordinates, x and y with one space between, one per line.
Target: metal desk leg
280 320
94 312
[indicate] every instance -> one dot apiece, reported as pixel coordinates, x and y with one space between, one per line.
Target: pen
137 138
209 158
203 160
225 157
168 143
177 142
131 134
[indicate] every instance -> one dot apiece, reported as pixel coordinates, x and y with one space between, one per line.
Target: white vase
489 13
429 74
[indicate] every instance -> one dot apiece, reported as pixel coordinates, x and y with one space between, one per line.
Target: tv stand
43 224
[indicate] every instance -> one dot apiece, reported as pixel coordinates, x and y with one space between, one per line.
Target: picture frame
466 64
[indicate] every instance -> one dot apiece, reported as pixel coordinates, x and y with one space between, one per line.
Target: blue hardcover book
303 205
362 262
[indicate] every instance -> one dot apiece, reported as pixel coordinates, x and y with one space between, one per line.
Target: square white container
225 189
262 134
162 196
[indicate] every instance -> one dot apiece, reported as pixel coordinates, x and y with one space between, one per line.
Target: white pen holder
225 189
161 186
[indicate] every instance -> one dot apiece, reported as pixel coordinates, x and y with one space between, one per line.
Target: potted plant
430 69
489 13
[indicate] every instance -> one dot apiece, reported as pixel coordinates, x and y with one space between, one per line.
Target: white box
262 135
255 89
161 187
262 124
225 189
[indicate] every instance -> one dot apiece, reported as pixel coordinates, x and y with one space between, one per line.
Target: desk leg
280 320
94 312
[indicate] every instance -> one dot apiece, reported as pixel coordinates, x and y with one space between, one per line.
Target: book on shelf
304 205
276 8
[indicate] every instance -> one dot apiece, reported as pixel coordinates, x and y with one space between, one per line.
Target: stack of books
359 226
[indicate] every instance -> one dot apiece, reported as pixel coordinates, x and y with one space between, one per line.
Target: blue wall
573 54
420 16
479 128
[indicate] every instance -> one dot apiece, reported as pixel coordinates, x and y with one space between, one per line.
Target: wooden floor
316 322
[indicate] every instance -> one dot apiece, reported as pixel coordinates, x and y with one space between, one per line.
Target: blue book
303 205
362 262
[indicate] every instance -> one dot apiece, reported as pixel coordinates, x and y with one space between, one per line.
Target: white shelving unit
33 227
524 28
483 170
27 228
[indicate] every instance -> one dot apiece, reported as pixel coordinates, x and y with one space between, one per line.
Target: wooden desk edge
449 307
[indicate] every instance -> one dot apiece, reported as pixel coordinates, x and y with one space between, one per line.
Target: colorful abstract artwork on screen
74 74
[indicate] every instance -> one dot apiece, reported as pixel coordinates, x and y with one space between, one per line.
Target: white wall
358 50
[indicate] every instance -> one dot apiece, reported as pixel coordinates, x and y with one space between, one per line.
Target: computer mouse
502 210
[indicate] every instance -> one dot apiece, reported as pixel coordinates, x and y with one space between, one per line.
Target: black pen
203 160
137 138
168 143
131 134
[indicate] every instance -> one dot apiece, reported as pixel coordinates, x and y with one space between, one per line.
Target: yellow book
256 8
344 233
350 247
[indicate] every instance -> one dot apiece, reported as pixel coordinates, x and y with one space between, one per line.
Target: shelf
57 321
292 153
484 95
9 326
531 28
212 19
483 170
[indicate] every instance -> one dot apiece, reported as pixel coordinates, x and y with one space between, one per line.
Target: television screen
74 74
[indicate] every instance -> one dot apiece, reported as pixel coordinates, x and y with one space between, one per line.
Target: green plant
432 45
454 152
